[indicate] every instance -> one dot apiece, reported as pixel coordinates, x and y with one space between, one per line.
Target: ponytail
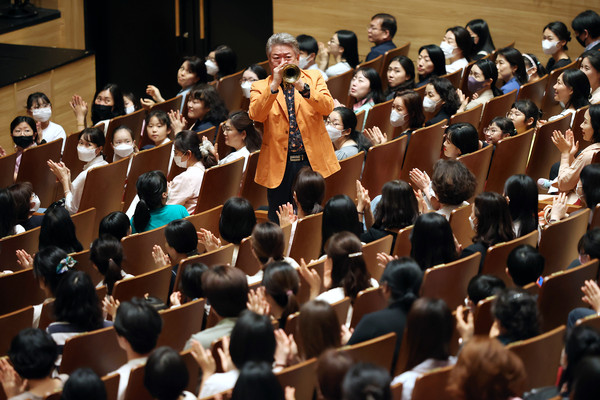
106 253
113 274
141 217
150 188
281 282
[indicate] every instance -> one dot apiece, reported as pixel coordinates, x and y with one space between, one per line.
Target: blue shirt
380 49
510 86
162 216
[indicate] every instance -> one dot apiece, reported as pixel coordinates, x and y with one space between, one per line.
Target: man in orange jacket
294 133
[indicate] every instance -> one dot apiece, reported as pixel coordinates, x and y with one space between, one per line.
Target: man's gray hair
282 38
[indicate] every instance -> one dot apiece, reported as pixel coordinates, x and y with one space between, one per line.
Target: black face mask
581 42
23 141
100 113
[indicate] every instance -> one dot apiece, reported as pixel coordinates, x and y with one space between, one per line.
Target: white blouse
236 155
73 198
185 187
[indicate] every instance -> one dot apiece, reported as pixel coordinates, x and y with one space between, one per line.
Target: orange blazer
271 110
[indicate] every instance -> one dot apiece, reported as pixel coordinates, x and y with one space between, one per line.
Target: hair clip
528 57
205 147
289 293
65 265
357 254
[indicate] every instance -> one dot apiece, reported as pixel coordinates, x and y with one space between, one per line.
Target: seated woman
250 75
511 69
482 39
451 185
24 135
241 135
365 87
221 62
257 381
8 215
366 382
461 138
190 285
341 126
205 110
123 143
534 68
343 47
456 45
491 222
195 158
106 254
191 72
115 224
428 348
571 90
522 194
400 283
318 329
108 104
31 354
481 84
400 76
524 114
555 37
590 66
281 283
159 126
516 316
432 241
27 204
166 375
441 100
572 163
431 62
498 129
152 211
340 214
268 245
40 109
58 229
89 150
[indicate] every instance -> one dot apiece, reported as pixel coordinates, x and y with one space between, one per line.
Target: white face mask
246 86
42 114
429 105
549 47
211 67
36 203
179 162
334 134
397 119
123 150
447 48
129 110
472 222
86 154
303 62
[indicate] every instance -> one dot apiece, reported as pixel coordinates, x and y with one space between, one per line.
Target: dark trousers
282 194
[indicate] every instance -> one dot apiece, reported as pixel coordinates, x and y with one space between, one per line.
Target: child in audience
366 382
555 37
590 65
115 224
482 39
8 215
480 288
343 47
89 150
441 100
366 88
151 211
131 102
106 255
123 144
498 129
40 109
524 114
27 204
571 90
400 76
57 229
456 45
432 241
524 265
190 286
431 62
251 74
481 84
83 383
511 69
29 374
221 62
522 194
341 126
166 375
534 68
158 128
205 110
138 326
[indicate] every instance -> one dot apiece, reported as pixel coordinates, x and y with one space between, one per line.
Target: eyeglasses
330 122
25 132
244 80
491 131
373 28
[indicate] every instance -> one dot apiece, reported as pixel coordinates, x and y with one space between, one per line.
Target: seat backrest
180 323
498 106
156 158
561 292
98 350
379 116
344 180
209 133
534 91
367 301
396 390
34 169
449 281
19 290
403 245
595 218
135 386
208 220
432 385
424 149
304 291
27 241
222 148
576 128
461 227
370 250
84 226
496 256
70 157
155 283
544 153
7 168
246 261
227 178
541 357
103 189
137 250
593 321
222 255
360 117
340 85
454 77
302 377
253 192
307 239
559 241
230 90
376 64
85 264
378 351
133 121
384 163
173 103
510 158
472 116
478 163
482 317
550 106
11 324
387 58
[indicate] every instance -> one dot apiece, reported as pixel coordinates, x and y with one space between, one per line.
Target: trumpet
290 73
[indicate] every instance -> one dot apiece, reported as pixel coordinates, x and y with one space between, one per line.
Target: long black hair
58 229
150 188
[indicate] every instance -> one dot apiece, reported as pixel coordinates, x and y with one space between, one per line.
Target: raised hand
286 215
312 277
375 136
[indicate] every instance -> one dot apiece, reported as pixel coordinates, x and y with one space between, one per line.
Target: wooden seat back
180 323
510 158
370 250
339 86
208 220
28 241
534 91
379 116
133 121
85 264
367 301
344 180
69 156
461 227
226 177
403 245
7 168
498 106
307 239
220 256
302 377
378 351
98 350
472 116
155 283
454 77
423 150
11 324
478 163
432 385
172 104
383 164
19 290
253 192
304 291
544 153
84 226
230 90
246 260
496 256
34 169
137 250
482 317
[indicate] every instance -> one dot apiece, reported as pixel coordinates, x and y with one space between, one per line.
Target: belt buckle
296 157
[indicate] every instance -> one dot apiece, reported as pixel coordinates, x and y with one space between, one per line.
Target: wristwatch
305 90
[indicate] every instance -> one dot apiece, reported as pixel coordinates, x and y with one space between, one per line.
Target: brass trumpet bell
290 73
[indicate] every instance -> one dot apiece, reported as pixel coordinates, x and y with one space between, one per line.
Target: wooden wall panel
425 21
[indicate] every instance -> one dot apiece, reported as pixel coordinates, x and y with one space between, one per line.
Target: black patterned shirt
295 143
